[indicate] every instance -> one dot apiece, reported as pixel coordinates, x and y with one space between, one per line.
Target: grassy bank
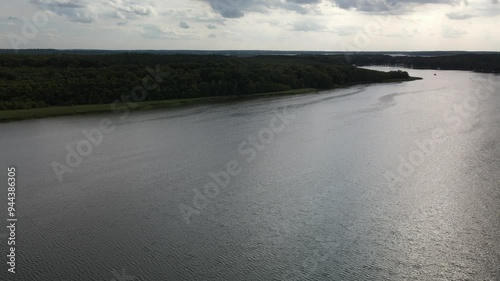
53 111
23 114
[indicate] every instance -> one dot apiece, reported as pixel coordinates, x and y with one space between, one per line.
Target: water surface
315 202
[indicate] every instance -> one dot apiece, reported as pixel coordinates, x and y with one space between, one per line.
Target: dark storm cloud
238 8
229 8
304 1
74 10
72 4
487 9
383 5
184 25
85 11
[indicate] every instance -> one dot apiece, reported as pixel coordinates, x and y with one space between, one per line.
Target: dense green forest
32 81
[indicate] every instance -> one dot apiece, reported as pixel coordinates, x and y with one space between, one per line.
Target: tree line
489 63
32 81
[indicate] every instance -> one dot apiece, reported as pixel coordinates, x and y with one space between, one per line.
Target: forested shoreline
35 81
487 63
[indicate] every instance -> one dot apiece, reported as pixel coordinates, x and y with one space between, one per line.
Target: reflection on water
313 204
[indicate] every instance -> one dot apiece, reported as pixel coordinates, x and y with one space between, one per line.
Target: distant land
31 82
44 82
233 52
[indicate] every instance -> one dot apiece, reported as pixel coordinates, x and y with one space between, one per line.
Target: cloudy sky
335 25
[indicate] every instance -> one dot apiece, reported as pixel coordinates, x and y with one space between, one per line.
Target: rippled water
318 201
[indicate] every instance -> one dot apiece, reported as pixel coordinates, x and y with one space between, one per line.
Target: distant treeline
474 62
30 81
231 52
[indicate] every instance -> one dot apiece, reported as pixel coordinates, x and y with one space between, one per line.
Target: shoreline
58 111
430 68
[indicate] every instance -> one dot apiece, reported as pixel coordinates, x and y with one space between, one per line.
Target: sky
319 25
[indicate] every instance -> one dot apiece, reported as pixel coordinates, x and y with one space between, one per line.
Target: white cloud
259 24
347 30
131 8
119 15
450 32
151 31
308 26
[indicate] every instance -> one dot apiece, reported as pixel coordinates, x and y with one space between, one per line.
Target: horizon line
254 50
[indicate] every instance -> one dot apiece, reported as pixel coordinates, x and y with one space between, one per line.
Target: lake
394 181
